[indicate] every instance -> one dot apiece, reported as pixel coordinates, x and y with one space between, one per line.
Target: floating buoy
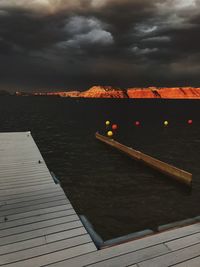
109 133
114 126
190 121
107 123
166 123
137 123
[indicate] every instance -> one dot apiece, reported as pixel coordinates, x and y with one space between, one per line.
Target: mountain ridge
132 92
137 92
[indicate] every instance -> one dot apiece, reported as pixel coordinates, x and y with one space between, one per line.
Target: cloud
85 31
180 4
159 39
77 43
95 36
143 51
146 29
78 24
43 6
82 25
98 3
3 13
176 5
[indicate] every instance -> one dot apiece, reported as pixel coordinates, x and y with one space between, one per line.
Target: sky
75 44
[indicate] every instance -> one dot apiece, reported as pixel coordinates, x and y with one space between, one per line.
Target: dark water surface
117 194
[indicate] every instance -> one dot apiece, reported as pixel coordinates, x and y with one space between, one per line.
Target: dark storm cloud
75 44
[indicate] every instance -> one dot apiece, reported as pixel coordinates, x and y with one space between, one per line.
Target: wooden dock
39 227
167 169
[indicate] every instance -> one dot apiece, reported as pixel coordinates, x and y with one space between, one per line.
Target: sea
118 195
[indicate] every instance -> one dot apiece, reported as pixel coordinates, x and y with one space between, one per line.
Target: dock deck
39 227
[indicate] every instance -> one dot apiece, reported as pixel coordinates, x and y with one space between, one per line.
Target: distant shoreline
130 93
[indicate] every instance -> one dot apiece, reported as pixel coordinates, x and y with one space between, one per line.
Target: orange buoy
114 126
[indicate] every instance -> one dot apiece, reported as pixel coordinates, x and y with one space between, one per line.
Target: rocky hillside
70 94
104 92
110 92
150 92
169 93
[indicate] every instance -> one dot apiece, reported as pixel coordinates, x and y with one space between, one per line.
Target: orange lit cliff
168 93
110 92
150 92
104 92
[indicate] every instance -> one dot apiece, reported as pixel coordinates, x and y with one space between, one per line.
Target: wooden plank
16 142
34 242
18 172
7 135
28 182
32 162
26 179
195 262
133 246
17 197
55 256
134 257
30 191
17 175
44 249
7 207
43 217
65 234
16 160
180 175
38 212
32 188
183 242
23 245
34 197
35 207
25 160
173 257
32 165
38 225
27 154
17 148
102 258
35 162
26 170
25 146
45 182
39 232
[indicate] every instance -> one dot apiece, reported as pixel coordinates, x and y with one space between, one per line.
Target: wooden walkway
39 227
